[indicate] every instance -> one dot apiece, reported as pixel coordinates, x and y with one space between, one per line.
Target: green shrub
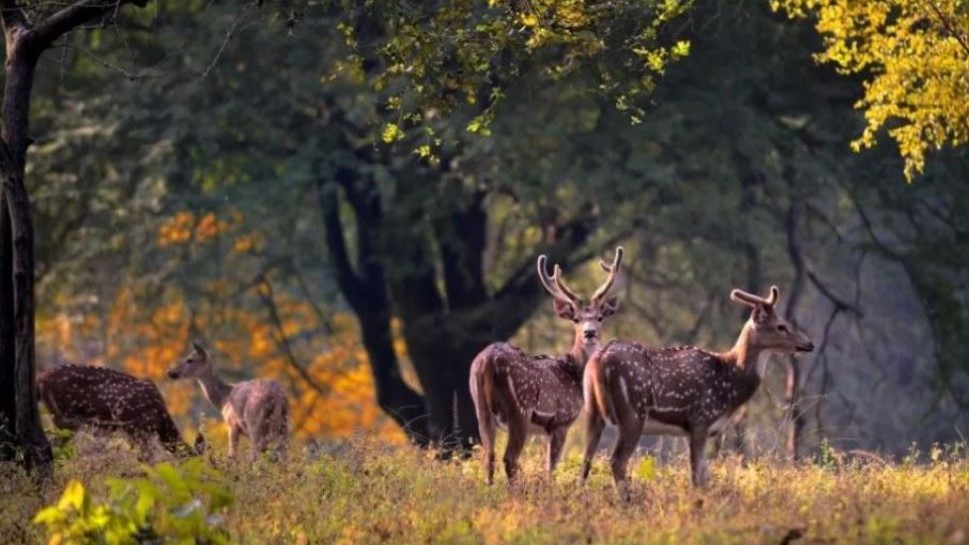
170 504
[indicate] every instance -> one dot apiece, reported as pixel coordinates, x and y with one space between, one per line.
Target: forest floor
362 492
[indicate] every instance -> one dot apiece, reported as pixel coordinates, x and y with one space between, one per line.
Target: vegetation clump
365 491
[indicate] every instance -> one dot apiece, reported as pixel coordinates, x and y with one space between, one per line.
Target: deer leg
594 424
517 434
234 432
629 431
486 429
556 440
698 460
278 446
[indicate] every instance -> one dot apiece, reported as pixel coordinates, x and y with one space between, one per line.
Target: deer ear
609 306
198 348
564 309
761 313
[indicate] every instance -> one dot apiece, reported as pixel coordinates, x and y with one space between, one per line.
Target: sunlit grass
363 491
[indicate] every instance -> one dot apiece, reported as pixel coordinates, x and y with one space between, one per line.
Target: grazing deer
681 390
539 394
255 408
79 396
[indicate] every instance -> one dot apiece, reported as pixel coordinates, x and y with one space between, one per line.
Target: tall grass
362 491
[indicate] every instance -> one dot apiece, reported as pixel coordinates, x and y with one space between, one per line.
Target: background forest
202 171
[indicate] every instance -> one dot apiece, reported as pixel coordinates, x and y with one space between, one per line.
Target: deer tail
594 388
482 386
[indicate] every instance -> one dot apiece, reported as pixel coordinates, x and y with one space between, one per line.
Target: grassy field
365 492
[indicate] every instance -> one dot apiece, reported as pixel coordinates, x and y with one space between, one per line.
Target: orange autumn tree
261 331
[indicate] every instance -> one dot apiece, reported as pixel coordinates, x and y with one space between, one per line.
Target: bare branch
51 29
282 341
838 302
230 33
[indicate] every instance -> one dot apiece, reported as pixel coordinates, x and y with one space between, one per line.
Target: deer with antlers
681 390
539 394
256 408
84 396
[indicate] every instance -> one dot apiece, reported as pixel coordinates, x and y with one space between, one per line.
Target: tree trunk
19 75
405 406
447 318
443 360
8 386
364 288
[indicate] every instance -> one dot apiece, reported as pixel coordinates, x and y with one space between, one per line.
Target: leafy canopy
914 55
429 59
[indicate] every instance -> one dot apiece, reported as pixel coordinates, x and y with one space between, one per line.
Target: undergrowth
362 492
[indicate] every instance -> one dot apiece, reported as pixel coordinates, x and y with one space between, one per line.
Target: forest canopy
351 196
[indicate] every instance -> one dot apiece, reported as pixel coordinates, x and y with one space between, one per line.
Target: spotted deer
539 394
681 390
84 396
255 408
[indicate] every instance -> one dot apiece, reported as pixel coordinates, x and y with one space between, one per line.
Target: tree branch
13 16
266 294
52 28
346 277
837 301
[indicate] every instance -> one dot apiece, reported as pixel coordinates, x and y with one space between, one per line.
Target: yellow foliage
914 55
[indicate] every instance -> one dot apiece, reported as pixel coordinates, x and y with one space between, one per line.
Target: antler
613 271
554 284
752 300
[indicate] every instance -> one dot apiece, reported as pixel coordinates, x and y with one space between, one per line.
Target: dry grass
366 492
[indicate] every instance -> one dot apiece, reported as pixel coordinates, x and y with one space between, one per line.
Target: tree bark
19 74
365 290
8 387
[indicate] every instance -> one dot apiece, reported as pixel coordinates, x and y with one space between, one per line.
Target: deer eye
782 328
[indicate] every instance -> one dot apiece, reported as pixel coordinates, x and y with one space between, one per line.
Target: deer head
767 330
196 364
586 317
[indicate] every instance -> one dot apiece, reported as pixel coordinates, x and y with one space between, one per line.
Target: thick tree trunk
19 76
443 360
398 256
398 400
8 386
363 286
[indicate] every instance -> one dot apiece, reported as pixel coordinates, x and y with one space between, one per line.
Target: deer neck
746 355
582 350
214 388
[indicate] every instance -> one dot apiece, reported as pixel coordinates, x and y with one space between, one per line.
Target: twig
281 340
